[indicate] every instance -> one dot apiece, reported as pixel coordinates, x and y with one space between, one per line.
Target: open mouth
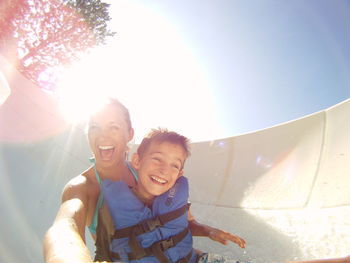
106 152
158 180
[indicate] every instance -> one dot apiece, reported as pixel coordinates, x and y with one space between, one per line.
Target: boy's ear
131 134
135 161
181 173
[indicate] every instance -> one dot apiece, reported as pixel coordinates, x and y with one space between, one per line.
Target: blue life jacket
144 234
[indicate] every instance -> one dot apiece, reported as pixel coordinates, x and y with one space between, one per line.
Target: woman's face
108 135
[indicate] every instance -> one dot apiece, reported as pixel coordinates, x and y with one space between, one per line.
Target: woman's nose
104 131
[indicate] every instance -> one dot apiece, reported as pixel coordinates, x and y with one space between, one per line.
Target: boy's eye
156 159
176 166
114 128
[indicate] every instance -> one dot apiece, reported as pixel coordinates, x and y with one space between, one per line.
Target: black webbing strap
187 258
150 224
157 249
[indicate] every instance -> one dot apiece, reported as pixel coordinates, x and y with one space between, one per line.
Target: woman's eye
93 128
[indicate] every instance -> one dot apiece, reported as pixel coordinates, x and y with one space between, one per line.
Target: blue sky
214 69
271 61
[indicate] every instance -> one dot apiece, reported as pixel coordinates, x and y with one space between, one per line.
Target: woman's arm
215 234
65 240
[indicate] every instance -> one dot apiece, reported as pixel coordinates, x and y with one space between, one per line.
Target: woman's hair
161 135
114 102
125 111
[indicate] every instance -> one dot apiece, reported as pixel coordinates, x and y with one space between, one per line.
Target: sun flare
79 93
150 69
5 90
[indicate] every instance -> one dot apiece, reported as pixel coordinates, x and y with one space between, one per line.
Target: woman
109 132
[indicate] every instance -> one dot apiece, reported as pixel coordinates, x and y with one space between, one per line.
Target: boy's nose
164 168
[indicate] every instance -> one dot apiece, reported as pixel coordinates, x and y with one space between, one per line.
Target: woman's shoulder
82 184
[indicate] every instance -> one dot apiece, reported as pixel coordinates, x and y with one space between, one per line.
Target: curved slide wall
284 189
302 163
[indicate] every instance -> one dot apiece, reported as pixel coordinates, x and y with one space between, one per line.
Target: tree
46 35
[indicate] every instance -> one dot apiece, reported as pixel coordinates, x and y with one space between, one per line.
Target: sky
215 69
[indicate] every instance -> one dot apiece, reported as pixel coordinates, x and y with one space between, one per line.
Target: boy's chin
159 191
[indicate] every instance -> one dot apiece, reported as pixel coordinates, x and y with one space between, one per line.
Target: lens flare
4 89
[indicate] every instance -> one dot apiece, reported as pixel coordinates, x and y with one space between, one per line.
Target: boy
151 219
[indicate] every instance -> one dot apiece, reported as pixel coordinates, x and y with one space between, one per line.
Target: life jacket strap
157 249
149 225
187 258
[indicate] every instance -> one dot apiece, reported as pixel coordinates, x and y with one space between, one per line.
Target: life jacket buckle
166 243
151 224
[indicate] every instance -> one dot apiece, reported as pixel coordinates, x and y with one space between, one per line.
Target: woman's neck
114 172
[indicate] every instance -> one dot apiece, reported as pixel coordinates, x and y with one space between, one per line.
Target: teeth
159 180
105 147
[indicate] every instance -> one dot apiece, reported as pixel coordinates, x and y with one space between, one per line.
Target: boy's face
159 168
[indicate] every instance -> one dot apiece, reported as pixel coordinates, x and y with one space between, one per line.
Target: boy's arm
330 260
65 240
215 234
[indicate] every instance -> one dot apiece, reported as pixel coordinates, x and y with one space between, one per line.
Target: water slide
284 189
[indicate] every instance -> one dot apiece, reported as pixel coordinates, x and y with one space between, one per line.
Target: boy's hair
161 135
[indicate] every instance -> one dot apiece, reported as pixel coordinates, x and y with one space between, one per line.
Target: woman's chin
107 161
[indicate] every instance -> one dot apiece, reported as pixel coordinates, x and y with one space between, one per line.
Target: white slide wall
284 189
298 164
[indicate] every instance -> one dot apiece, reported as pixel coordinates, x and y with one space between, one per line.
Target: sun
148 67
80 91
